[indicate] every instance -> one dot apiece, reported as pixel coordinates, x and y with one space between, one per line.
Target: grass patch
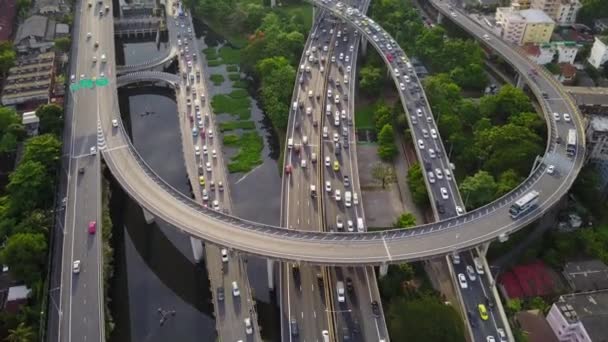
250 146
234 76
241 84
364 117
234 103
232 125
230 55
301 11
214 62
217 79
232 68
211 53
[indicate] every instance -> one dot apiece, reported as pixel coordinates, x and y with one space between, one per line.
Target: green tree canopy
29 187
63 43
45 149
382 116
386 143
21 333
508 101
275 73
405 220
7 56
370 80
391 285
8 117
25 255
51 119
478 189
415 182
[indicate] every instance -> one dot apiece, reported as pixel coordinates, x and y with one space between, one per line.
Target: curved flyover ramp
148 76
461 232
150 64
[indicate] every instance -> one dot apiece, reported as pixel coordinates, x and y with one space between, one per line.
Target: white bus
571 147
526 203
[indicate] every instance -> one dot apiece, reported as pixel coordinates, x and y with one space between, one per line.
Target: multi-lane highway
81 316
461 232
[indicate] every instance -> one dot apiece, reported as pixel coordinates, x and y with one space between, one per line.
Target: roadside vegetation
217 79
26 212
249 146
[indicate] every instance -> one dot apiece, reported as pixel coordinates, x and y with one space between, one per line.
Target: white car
303 163
327 161
214 154
471 273
419 112
551 169
448 174
328 186
248 326
197 150
73 78
114 123
308 110
224 255
402 86
462 280
350 226
420 144
439 173
208 166
486 37
556 116
501 334
566 117
216 205
490 338
337 195
459 210
76 266
432 153
205 149
444 193
205 195
433 133
336 137
93 150
339 222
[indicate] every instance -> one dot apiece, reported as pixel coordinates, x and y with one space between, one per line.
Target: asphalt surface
81 293
230 310
463 232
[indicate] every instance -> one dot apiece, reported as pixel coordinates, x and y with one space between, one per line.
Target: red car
92 227
389 57
288 169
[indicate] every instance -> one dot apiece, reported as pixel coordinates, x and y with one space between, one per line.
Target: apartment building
580 317
599 52
562 11
520 4
524 26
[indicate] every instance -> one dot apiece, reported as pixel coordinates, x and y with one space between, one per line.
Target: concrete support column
273 3
363 46
270 270
439 18
383 270
482 250
147 216
519 82
198 248
314 13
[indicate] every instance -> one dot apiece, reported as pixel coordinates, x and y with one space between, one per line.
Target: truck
340 291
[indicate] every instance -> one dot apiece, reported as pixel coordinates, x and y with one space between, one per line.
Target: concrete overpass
167 57
148 76
396 245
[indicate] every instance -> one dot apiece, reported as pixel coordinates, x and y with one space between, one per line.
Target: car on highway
462 280
327 161
339 222
350 226
551 169
208 166
433 133
556 116
93 150
294 327
336 137
76 266
303 163
483 312
201 180
375 308
197 150
224 253
567 117
288 168
439 173
220 294
248 326
444 193
490 338
328 186
501 334
214 153
337 195
336 166
420 144
486 36
92 227
216 205
425 133
459 210
471 273
114 123
432 153
205 195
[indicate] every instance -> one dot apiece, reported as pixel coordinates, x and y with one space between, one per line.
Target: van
290 143
328 109
294 106
313 157
355 198
347 199
345 79
360 226
313 190
340 291
478 266
305 140
235 289
325 335
325 132
409 66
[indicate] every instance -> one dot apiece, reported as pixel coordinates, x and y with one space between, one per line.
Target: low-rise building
567 73
29 81
597 148
545 53
580 317
16 298
587 275
567 11
520 4
524 26
35 34
599 52
31 123
535 326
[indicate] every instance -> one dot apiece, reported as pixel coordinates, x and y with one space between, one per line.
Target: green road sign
86 83
102 82
74 87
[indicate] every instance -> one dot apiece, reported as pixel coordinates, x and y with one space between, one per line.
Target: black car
346 181
295 270
349 284
294 327
320 280
220 294
375 309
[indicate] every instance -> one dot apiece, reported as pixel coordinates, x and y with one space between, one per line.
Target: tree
592 9
8 143
382 116
51 119
23 6
415 182
63 43
478 189
507 181
370 80
275 73
513 305
384 173
405 220
25 255
7 56
8 117
45 149
391 285
22 333
508 101
424 319
29 187
539 304
386 141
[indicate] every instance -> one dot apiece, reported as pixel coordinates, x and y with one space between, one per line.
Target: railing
171 53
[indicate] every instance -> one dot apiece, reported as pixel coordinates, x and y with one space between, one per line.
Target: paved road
458 233
231 311
81 293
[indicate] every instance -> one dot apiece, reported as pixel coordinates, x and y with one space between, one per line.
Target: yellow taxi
336 166
483 312
201 180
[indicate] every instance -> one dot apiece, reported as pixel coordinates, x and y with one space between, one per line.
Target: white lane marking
388 253
247 174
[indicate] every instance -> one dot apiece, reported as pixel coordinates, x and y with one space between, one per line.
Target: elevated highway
168 56
396 245
148 76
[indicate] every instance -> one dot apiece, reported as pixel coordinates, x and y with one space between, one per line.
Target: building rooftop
588 275
599 123
535 16
7 18
535 326
589 96
18 293
590 308
30 79
36 26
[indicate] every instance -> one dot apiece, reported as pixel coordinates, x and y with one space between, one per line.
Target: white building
597 147
599 52
567 11
524 26
580 317
545 53
566 51
548 6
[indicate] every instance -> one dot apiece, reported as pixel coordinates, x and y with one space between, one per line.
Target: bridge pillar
439 18
314 13
273 3
148 216
383 270
270 271
197 248
363 46
519 81
482 250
